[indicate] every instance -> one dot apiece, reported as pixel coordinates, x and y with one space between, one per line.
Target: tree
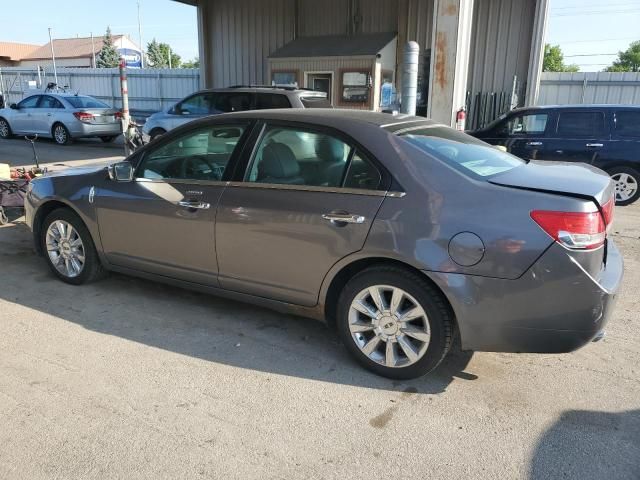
554 60
195 63
108 56
158 55
628 61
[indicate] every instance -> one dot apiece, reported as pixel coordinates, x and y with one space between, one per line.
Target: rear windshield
315 102
463 152
86 102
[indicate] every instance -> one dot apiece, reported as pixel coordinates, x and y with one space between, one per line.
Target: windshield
85 102
463 152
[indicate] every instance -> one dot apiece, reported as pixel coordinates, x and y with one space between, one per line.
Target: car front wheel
394 322
5 129
156 132
69 249
61 135
627 181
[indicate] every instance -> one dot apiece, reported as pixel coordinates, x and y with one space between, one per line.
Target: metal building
485 55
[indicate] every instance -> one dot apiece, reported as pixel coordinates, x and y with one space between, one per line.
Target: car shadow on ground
198 325
589 445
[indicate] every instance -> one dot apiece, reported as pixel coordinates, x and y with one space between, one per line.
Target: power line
596 40
596 12
579 7
591 55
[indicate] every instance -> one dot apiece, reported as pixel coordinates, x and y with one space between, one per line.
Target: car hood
82 170
571 179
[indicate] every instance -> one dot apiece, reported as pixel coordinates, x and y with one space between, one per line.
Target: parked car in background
61 116
605 136
232 99
400 232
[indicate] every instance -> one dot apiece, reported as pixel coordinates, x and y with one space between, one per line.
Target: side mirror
121 172
14 106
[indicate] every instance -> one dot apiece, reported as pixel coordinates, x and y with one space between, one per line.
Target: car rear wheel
5 129
627 182
108 139
156 132
394 323
69 249
60 134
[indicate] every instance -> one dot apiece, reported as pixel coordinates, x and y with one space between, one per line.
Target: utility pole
126 118
140 38
169 58
53 58
93 51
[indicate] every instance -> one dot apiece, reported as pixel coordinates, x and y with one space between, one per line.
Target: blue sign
133 58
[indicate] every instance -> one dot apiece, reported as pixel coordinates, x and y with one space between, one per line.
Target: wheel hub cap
389 326
626 186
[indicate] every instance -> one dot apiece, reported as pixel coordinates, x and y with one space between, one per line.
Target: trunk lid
571 179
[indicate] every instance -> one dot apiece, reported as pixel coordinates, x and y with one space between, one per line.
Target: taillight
580 230
83 116
607 212
118 115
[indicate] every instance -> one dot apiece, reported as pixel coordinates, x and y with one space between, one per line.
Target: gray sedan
400 233
61 116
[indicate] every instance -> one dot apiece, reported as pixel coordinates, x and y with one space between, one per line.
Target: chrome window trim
314 188
182 181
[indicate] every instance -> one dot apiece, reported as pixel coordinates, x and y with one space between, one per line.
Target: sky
166 21
591 32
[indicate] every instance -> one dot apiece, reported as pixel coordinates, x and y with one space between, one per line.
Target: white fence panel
563 88
149 89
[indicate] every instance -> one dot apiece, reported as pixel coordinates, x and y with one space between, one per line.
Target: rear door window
265 101
581 124
232 102
628 124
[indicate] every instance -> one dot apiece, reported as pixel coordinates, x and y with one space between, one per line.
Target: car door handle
534 144
343 218
594 145
194 204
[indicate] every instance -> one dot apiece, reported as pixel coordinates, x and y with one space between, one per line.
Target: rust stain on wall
451 10
441 60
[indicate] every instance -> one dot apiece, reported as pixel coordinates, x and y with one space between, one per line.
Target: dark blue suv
606 136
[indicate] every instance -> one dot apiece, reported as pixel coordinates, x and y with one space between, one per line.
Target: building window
355 86
284 78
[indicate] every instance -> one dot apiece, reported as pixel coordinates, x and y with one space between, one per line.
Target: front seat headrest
278 161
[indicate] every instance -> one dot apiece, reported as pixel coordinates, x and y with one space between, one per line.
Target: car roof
337 115
579 106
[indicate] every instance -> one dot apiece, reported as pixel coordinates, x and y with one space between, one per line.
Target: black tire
108 139
156 132
439 314
61 134
632 173
5 129
92 269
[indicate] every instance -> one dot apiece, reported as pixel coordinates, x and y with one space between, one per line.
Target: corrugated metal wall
558 88
326 17
243 34
149 89
500 44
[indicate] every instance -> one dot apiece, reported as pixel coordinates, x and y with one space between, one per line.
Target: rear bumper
555 307
79 129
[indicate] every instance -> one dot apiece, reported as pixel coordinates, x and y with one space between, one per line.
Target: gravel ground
130 379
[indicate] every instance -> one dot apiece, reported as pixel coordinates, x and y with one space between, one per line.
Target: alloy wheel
389 326
65 248
60 134
626 186
4 129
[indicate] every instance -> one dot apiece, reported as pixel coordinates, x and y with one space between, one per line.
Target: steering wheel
189 167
